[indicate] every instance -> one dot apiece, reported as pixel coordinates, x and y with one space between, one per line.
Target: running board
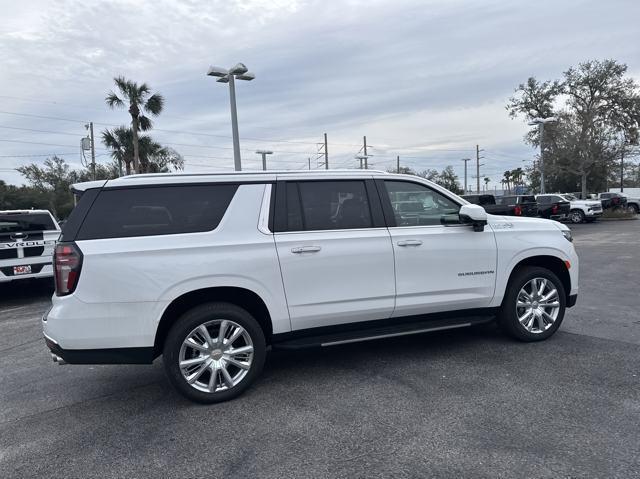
309 339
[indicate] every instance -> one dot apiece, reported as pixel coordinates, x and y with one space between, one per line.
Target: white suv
211 270
27 239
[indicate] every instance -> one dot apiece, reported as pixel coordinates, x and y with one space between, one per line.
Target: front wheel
576 216
534 304
214 352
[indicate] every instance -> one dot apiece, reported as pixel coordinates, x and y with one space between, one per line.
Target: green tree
449 180
598 108
154 157
50 184
140 101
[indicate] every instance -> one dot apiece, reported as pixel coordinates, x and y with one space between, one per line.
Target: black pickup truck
552 207
521 205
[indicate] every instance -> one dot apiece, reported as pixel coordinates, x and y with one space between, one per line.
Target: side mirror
473 215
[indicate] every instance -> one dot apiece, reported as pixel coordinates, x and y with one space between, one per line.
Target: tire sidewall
191 320
508 318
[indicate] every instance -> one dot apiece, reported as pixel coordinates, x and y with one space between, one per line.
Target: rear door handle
410 242
306 249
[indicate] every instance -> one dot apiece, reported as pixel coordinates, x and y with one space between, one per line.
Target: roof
232 176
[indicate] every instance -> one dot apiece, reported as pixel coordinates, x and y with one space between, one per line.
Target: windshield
19 222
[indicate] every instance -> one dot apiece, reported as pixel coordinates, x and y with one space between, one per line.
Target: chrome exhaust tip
57 359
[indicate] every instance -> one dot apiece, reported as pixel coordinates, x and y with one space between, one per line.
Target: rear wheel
633 209
214 352
534 304
576 216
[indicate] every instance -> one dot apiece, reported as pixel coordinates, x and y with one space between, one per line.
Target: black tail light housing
517 211
554 209
67 263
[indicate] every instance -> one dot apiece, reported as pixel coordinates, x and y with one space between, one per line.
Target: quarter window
150 211
417 205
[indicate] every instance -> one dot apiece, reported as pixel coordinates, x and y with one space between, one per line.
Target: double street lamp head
240 72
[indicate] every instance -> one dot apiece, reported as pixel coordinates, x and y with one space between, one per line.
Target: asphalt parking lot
466 403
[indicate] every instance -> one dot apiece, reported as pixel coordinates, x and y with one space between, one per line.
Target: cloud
420 78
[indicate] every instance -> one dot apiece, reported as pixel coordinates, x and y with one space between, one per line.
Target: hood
586 202
539 223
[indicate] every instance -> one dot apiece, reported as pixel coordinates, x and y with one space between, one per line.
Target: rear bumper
101 356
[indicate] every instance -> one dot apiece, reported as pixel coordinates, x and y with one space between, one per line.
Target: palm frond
144 123
123 84
113 100
154 104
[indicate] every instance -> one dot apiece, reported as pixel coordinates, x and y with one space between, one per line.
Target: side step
368 334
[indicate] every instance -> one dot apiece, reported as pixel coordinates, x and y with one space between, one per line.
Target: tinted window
149 211
417 205
543 200
329 205
294 212
506 200
527 199
20 222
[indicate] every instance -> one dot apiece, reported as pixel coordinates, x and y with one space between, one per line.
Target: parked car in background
495 206
520 205
553 207
633 204
27 239
580 210
211 270
614 201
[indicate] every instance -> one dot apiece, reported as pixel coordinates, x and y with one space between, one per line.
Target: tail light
67 262
517 211
554 209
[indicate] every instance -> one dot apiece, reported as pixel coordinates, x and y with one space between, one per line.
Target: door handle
306 249
410 242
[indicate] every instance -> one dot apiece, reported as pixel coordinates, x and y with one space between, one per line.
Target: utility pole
478 150
366 164
466 185
326 153
622 170
398 164
89 126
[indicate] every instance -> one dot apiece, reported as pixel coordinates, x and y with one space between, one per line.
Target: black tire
186 324
633 208
576 216
507 316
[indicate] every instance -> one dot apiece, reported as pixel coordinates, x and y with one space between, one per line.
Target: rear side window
327 205
24 222
152 211
527 199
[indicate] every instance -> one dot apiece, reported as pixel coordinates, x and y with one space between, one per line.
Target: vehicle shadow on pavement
28 289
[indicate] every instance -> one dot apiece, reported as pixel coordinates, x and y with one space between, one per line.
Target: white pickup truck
27 239
580 210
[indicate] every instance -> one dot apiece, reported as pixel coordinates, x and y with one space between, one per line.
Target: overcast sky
426 80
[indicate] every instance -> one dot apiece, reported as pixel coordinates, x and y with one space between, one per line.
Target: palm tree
507 180
140 100
153 156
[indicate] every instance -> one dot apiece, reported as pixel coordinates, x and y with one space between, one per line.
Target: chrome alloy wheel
538 305
216 356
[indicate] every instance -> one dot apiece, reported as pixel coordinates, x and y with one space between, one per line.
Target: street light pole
264 154
234 124
541 122
238 72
